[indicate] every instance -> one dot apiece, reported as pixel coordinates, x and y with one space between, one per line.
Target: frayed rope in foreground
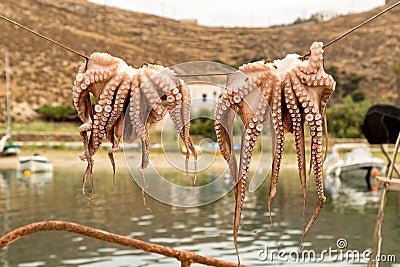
185 257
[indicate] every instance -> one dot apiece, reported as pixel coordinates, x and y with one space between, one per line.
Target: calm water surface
206 230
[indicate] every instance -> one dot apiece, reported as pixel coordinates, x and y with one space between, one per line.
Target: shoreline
64 158
67 158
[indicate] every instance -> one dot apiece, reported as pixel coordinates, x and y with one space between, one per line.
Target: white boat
35 163
38 179
7 148
353 164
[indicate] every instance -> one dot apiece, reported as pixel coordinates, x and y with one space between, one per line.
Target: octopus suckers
309 117
98 108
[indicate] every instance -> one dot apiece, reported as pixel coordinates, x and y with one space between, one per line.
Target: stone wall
40 136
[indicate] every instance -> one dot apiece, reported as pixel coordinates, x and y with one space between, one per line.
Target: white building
204 95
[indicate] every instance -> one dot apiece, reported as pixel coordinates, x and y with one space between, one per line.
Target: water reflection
355 199
35 179
206 230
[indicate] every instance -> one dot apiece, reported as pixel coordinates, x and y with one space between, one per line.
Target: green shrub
57 112
352 85
203 126
345 119
223 62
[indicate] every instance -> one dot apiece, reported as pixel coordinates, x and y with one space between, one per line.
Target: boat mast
8 88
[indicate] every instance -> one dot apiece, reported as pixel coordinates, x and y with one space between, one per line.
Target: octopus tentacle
81 100
137 111
297 91
278 150
154 84
185 133
316 157
148 107
115 136
293 107
120 101
240 94
157 113
123 95
223 125
145 108
252 128
102 111
264 76
89 168
132 114
314 101
113 129
90 79
116 100
177 95
82 104
139 129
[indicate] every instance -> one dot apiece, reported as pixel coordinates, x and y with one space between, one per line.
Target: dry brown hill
43 73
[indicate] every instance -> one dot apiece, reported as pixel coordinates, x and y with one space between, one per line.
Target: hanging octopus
130 100
296 91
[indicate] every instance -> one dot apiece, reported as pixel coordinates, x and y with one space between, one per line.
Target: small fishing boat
7 148
35 163
38 179
353 164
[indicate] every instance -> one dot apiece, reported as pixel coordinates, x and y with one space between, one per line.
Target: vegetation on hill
42 73
345 119
58 112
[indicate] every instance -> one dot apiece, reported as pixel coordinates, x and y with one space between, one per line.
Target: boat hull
353 165
34 164
10 151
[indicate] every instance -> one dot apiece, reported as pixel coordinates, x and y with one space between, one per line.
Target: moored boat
35 163
353 164
7 148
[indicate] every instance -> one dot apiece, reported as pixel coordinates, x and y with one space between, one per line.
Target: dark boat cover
382 124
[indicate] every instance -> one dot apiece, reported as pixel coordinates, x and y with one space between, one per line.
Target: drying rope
44 37
204 74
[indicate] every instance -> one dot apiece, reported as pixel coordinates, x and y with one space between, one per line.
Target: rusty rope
185 257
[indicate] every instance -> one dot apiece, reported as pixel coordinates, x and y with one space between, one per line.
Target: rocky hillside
43 73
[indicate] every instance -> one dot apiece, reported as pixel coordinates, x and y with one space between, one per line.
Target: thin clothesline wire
44 37
326 45
204 74
361 24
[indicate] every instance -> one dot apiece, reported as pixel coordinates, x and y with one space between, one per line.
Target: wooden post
377 240
389 158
